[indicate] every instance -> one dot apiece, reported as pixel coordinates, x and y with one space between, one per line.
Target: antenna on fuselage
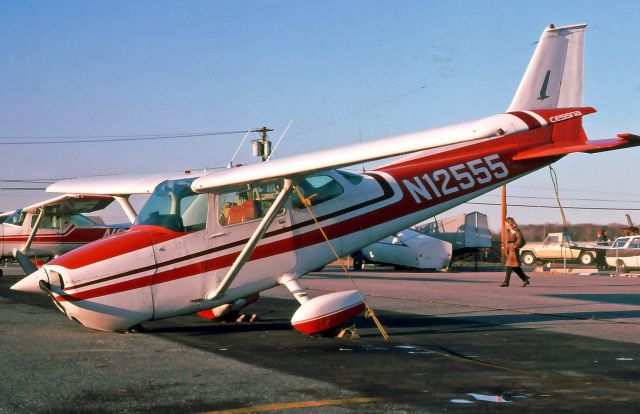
280 140
238 149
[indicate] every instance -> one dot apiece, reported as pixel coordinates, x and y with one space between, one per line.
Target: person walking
512 262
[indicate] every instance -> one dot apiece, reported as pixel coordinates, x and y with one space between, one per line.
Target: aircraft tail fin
554 77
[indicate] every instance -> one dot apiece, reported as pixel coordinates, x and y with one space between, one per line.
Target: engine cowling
327 312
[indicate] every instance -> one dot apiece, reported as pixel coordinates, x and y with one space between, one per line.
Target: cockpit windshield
17 218
174 206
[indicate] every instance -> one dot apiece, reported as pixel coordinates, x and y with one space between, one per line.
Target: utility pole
262 146
503 233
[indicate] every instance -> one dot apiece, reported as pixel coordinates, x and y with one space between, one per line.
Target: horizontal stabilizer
556 149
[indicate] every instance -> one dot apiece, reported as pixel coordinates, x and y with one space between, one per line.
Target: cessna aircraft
52 227
210 241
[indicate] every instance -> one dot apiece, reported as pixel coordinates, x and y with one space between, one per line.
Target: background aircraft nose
31 282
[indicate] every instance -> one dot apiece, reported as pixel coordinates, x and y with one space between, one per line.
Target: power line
570 199
33 181
574 190
22 188
565 207
51 140
413 90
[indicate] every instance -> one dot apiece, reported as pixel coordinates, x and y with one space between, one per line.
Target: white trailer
466 232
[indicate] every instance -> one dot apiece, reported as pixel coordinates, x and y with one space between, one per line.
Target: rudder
554 77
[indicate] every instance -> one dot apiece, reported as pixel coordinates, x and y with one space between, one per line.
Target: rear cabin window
354 179
317 189
247 205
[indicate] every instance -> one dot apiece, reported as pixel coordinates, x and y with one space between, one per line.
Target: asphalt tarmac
458 343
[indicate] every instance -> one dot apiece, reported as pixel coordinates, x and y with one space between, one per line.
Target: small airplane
406 249
52 227
209 242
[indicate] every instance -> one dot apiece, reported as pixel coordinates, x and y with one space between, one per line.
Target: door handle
213 236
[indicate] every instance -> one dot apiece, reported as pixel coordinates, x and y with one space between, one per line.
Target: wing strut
127 207
23 260
253 241
32 236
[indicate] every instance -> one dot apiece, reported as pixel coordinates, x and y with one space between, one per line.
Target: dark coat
514 243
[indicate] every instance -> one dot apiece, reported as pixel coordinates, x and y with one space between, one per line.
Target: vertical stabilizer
554 76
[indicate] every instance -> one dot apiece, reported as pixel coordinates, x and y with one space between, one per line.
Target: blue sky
343 71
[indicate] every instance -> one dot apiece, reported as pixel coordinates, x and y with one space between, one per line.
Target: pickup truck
558 246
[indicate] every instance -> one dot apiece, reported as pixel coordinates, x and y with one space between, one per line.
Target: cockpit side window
194 211
247 205
49 221
317 189
81 221
174 206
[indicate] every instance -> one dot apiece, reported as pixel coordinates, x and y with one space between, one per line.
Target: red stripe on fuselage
531 121
121 243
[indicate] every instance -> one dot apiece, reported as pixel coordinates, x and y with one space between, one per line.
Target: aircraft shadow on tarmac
616 298
394 278
409 324
275 314
216 328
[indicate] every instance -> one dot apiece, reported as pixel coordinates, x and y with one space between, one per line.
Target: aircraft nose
31 283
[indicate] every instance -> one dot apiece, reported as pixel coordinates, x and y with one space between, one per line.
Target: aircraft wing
116 184
306 164
6 214
72 204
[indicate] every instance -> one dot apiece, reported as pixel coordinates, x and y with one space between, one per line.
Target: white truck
559 246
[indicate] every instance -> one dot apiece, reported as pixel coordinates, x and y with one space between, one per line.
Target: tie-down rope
369 311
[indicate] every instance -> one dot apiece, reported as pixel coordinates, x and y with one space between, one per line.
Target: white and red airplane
53 227
209 241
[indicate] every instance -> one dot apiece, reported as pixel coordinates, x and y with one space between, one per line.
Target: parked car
558 246
624 253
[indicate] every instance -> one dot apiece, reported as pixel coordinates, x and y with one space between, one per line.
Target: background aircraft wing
72 204
116 184
6 214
